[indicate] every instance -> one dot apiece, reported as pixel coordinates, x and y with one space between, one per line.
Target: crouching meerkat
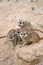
29 37
13 37
27 25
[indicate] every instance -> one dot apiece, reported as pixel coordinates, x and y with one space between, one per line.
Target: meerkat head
21 23
23 34
11 34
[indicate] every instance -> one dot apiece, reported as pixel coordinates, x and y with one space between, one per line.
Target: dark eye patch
23 22
13 35
10 37
21 34
18 32
20 22
24 34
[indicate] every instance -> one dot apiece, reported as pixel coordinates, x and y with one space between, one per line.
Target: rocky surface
10 13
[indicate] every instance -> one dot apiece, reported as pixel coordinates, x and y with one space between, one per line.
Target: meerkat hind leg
29 43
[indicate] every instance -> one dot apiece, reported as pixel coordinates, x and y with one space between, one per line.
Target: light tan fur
32 37
27 25
12 37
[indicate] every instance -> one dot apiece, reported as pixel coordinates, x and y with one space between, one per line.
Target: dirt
10 14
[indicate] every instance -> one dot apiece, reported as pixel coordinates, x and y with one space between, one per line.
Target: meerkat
13 37
27 25
22 24
29 37
23 33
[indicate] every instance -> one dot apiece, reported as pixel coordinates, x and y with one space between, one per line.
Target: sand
10 14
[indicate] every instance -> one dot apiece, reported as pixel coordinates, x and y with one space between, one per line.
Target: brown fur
27 25
32 37
12 37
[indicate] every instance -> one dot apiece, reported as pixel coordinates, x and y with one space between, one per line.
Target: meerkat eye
13 34
24 34
20 22
23 22
10 37
21 34
18 32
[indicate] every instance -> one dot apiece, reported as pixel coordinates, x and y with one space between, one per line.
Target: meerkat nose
10 38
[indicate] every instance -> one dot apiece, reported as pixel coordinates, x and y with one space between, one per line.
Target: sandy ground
10 14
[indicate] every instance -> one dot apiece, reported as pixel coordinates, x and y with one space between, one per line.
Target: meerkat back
27 25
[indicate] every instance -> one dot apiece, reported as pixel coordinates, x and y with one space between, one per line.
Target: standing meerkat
27 25
29 37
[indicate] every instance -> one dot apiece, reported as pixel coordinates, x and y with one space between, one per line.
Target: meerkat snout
11 37
21 23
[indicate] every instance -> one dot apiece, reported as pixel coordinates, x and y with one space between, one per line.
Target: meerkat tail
39 25
41 38
37 30
3 37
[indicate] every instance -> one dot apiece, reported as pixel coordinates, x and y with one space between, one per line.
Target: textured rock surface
10 13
